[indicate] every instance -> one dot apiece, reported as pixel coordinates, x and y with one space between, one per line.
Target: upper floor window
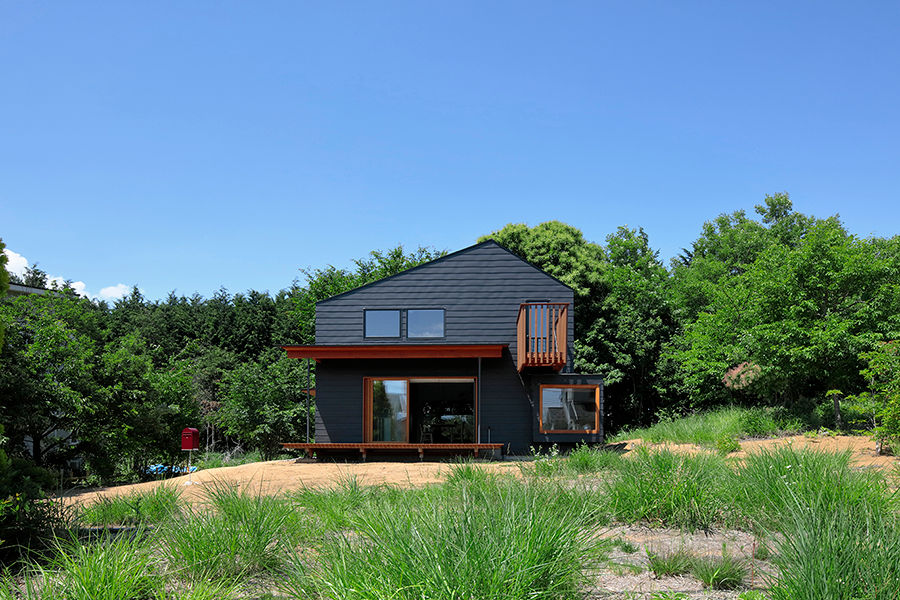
382 323
425 323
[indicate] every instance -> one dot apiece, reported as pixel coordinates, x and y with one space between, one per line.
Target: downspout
307 399
478 395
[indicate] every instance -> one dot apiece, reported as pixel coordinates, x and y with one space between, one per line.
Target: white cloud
114 292
16 262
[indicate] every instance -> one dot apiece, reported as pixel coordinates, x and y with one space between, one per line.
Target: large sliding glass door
419 410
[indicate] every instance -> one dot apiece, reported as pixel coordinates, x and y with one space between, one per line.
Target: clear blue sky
192 145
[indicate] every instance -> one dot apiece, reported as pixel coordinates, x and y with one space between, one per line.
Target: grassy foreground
829 529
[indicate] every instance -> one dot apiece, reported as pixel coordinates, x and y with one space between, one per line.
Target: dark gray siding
507 403
480 289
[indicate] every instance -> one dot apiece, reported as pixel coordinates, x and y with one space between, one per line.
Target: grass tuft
720 573
666 488
708 428
668 564
154 506
585 459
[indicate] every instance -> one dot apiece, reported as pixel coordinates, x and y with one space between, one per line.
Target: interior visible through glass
569 409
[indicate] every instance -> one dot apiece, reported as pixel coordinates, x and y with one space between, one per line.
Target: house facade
472 348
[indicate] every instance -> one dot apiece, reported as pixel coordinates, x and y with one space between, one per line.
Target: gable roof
442 259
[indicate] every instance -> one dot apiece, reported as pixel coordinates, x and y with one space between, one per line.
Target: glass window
382 323
570 409
389 410
425 323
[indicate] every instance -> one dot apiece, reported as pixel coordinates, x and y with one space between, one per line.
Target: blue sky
190 145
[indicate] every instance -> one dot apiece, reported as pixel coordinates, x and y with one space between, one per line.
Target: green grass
771 482
336 508
214 460
154 506
466 472
666 488
120 568
501 539
585 459
709 428
667 564
720 573
240 534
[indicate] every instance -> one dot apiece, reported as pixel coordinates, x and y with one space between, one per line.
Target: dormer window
382 323
425 323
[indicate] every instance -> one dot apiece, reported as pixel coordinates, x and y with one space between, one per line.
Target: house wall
505 413
480 289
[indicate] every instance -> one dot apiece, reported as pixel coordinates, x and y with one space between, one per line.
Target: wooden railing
541 332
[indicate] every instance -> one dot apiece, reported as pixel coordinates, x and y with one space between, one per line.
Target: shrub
666 488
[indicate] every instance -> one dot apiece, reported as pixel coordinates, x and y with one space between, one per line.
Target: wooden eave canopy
397 351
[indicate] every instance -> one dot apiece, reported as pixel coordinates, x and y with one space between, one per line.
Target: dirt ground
283 475
861 448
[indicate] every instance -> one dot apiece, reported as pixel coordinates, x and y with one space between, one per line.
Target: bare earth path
284 475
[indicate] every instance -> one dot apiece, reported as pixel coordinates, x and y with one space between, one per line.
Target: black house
470 351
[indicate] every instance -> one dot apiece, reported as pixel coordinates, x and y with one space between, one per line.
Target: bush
665 488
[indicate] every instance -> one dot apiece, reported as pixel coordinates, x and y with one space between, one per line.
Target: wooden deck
364 448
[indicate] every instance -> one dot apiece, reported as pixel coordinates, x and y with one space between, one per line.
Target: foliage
720 573
882 399
262 402
667 564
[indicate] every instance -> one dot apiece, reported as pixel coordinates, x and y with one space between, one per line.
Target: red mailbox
190 438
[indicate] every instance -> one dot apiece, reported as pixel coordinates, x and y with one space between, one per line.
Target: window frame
594 387
399 335
428 337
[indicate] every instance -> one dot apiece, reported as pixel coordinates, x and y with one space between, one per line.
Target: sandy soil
861 448
284 475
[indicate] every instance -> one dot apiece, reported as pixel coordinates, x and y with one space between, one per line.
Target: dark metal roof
441 259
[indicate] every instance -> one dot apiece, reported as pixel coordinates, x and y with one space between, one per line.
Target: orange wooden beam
397 351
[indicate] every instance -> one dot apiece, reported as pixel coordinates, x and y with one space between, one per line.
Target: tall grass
771 482
240 534
335 508
846 552
120 568
498 539
707 428
667 488
153 506
585 459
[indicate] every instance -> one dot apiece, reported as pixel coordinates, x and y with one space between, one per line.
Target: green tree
261 403
4 284
802 315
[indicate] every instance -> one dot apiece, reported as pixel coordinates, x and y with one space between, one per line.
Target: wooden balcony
542 329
